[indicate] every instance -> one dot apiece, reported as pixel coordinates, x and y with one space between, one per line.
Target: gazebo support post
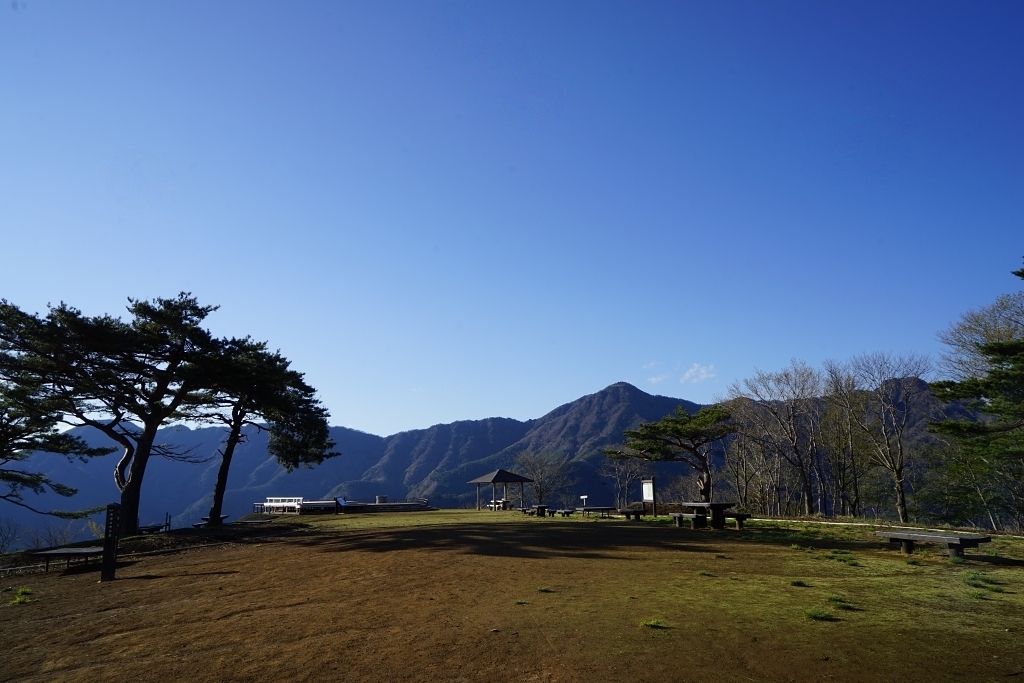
478 496
494 494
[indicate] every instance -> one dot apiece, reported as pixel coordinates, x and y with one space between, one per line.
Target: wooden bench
67 553
955 543
630 513
696 521
740 517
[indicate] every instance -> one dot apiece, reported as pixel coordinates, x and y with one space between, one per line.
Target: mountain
434 463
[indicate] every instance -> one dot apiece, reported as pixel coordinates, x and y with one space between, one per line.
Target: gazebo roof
499 477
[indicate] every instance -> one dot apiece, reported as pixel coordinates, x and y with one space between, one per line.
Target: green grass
21 597
839 602
979 579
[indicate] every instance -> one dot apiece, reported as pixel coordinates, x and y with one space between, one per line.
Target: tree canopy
991 449
250 386
29 424
680 437
130 378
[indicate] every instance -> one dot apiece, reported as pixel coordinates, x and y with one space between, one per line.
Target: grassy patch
720 556
522 602
654 623
839 602
799 584
545 589
22 597
978 579
820 614
704 572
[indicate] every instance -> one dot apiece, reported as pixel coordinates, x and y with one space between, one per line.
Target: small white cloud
697 373
659 378
652 364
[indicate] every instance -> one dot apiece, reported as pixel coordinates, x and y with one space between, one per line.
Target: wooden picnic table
701 510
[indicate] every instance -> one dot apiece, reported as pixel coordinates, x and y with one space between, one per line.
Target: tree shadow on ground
590 541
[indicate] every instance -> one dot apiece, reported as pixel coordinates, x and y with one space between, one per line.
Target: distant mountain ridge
434 463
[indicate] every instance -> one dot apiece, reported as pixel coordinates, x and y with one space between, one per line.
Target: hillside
434 463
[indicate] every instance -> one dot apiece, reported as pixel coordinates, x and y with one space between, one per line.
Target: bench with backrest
630 513
740 517
955 543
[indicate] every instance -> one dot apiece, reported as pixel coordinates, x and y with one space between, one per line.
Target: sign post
649 496
110 535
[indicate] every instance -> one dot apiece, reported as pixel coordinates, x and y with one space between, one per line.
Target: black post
110 542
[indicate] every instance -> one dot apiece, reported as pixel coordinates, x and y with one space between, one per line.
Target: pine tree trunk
234 436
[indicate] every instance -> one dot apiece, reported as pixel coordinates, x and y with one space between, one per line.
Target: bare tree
624 472
10 534
881 391
781 409
52 536
551 473
846 453
1000 321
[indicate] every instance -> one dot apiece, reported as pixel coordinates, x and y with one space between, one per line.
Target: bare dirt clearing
455 596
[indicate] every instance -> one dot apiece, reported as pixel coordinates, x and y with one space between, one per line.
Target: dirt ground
521 600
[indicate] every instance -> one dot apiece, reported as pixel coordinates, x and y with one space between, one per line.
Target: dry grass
439 596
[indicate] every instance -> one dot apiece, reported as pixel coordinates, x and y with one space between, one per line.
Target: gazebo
503 477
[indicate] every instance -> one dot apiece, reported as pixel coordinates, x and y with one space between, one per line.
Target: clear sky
455 210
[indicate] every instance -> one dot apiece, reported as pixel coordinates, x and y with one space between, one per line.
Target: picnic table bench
955 543
630 513
696 521
740 517
567 512
600 510
67 553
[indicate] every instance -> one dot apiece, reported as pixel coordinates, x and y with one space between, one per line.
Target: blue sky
455 210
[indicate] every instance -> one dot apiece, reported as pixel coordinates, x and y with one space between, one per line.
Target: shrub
799 584
545 589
